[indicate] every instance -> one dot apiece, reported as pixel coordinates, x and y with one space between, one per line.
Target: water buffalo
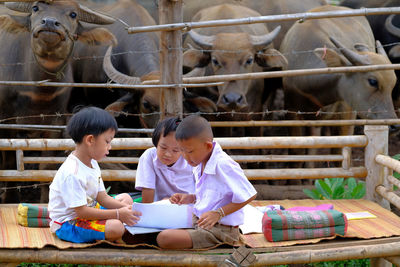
43 41
337 42
264 7
36 43
234 50
386 29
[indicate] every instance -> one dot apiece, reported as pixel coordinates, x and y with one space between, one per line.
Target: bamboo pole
171 59
226 143
251 174
62 128
186 26
286 123
55 160
310 173
106 85
378 140
346 153
388 162
238 158
388 195
281 123
153 257
393 181
284 73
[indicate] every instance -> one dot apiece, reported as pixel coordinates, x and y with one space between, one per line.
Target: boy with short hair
222 190
77 187
162 171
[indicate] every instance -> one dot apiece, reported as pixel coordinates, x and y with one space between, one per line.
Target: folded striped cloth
33 215
284 225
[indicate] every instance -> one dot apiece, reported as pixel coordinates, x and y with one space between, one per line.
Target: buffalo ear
394 52
14 24
271 59
193 58
96 36
331 58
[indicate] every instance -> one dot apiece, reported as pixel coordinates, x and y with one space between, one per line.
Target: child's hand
129 216
208 219
181 198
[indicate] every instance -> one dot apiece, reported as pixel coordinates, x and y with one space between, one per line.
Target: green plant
337 188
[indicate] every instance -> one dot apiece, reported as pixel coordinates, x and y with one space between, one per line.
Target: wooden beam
171 59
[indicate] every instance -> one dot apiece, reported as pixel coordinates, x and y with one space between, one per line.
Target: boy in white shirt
77 189
222 190
162 171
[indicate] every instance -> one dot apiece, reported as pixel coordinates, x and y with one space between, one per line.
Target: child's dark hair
194 126
163 128
90 120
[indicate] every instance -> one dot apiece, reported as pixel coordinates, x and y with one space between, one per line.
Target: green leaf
338 193
396 157
351 184
359 191
337 183
323 189
328 181
312 193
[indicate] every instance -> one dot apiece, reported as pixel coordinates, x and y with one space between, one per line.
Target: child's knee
114 229
164 239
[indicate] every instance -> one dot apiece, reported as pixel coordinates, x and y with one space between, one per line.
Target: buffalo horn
87 15
390 27
24 7
204 41
380 49
261 41
354 58
115 75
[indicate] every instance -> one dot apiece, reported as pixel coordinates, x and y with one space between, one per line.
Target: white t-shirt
74 185
153 174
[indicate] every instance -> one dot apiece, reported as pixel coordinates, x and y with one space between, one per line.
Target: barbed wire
19 187
281 112
133 52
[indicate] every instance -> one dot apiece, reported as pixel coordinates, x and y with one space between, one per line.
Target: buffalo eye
249 61
35 8
73 15
215 62
147 105
373 82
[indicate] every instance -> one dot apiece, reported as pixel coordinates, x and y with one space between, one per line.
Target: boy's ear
88 139
209 145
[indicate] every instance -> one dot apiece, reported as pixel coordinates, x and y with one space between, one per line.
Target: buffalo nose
50 22
232 98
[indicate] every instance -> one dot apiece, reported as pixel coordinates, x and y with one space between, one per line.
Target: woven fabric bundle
284 225
33 215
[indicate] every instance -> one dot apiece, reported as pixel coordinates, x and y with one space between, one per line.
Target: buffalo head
234 53
363 91
149 103
54 27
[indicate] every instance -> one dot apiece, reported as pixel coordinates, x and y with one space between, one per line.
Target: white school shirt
153 174
222 182
74 185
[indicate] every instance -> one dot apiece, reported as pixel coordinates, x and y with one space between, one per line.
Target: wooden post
170 11
378 138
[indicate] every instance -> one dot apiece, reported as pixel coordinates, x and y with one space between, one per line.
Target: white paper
134 230
252 220
164 215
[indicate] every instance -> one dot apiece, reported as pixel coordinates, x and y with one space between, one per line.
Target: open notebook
161 215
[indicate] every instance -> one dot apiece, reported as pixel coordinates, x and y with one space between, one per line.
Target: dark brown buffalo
337 42
386 29
36 44
234 50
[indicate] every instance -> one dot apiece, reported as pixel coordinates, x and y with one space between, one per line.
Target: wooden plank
378 140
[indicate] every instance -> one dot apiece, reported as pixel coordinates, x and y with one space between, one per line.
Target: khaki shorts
219 234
